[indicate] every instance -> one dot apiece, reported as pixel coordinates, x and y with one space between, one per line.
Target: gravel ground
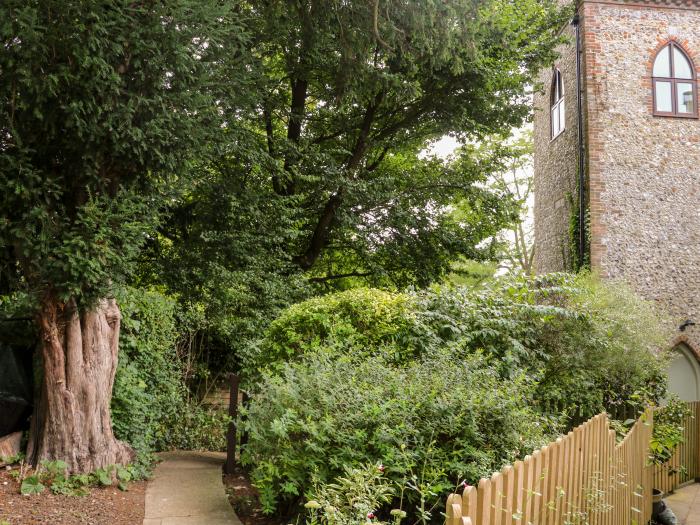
103 506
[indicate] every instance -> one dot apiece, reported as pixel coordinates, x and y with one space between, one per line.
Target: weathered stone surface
555 165
643 170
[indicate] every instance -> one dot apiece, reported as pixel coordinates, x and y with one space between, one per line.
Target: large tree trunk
72 419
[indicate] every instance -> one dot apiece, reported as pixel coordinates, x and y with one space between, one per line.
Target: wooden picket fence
585 477
684 465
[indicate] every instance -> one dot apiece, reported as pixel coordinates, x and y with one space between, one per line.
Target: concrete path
685 504
186 489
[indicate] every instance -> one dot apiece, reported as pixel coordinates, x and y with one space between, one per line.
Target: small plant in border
52 474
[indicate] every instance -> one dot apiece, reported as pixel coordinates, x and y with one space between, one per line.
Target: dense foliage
103 107
360 320
590 346
151 407
352 498
670 427
432 424
148 390
99 108
444 384
321 178
264 152
353 91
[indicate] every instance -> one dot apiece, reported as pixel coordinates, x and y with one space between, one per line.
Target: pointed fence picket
583 477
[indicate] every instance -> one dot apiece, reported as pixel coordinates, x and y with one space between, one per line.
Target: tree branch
375 25
375 164
319 237
296 120
339 276
269 130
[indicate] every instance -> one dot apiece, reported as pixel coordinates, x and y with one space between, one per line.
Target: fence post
234 381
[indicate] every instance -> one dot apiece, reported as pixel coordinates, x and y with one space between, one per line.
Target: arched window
558 111
675 89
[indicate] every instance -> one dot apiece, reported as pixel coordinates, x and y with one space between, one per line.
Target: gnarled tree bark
72 420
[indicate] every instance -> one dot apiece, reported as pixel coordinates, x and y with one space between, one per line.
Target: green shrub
148 388
432 423
197 428
359 320
352 499
606 352
669 428
151 406
590 346
445 384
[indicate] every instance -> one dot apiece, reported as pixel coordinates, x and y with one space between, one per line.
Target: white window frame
557 114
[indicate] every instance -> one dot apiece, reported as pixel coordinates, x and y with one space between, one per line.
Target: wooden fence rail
585 477
684 465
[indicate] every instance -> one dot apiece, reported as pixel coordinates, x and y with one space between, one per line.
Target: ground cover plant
52 475
73 502
453 384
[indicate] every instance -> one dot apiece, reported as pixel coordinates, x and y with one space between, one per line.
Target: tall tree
516 182
326 176
101 105
351 92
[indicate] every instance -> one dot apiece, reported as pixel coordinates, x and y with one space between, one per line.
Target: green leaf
123 474
31 485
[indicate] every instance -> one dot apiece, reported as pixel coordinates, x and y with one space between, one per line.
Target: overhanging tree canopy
347 85
347 95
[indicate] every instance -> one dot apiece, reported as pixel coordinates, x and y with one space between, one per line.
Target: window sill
674 115
555 137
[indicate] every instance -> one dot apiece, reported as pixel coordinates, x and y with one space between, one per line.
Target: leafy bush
360 320
590 346
432 423
151 406
669 427
197 428
442 385
353 497
148 390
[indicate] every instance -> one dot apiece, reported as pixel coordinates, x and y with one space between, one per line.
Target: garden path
685 504
187 489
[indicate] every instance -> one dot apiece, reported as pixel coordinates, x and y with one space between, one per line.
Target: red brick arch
662 43
686 341
654 52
